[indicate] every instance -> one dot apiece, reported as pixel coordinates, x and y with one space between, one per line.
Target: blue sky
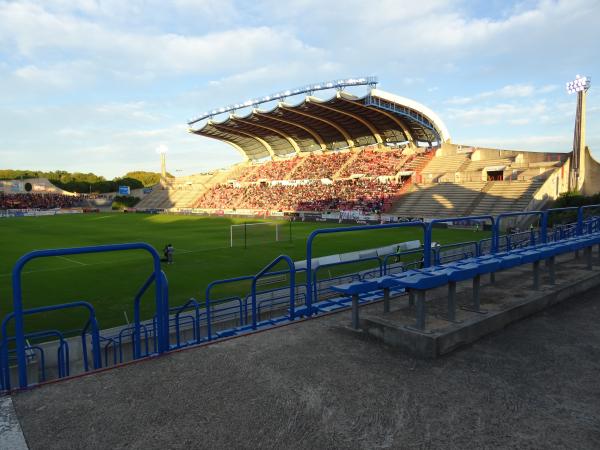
91 85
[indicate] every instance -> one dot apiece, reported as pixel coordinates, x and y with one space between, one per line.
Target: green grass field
202 254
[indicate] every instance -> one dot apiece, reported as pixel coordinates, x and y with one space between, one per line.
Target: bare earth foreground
316 384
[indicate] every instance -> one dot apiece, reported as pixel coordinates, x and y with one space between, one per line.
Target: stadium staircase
180 192
437 200
470 210
504 196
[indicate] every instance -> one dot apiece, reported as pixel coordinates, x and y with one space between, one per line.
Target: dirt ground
316 384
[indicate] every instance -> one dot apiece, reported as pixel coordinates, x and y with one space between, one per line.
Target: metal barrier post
452 301
355 311
421 310
386 300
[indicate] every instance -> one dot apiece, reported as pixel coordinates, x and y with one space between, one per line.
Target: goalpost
257 232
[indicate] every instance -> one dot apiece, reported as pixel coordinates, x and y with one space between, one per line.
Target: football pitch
109 281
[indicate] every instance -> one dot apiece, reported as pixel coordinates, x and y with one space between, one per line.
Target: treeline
568 200
86 182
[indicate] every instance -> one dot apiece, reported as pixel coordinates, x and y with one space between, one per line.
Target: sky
97 86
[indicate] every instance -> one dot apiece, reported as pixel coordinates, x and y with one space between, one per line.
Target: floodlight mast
580 86
339 84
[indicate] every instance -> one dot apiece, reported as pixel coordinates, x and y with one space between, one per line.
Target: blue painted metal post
272 264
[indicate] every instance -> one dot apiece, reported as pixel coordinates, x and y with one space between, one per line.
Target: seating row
418 281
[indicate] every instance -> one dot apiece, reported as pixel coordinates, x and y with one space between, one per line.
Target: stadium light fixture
335 84
162 148
579 84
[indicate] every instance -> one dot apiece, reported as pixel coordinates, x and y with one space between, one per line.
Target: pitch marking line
72 260
101 217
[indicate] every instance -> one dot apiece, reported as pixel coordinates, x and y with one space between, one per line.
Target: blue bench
354 289
418 281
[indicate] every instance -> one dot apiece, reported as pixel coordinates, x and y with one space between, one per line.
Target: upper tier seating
372 163
445 164
271 170
315 167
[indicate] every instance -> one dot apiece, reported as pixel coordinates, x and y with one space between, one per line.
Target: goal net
247 234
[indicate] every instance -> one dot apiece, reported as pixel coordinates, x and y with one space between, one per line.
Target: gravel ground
317 384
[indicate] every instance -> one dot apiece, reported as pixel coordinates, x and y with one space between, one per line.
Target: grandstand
376 154
402 182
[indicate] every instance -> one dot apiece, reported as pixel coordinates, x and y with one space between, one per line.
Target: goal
245 234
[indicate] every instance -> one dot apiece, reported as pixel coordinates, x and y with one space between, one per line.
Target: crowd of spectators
369 163
272 170
320 166
373 164
38 201
365 195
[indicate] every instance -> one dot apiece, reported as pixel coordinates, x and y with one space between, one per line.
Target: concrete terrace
317 384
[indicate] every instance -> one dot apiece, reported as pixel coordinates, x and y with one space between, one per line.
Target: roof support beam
316 136
286 136
343 132
367 124
264 143
390 116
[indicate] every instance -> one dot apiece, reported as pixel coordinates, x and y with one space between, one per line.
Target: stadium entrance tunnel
284 292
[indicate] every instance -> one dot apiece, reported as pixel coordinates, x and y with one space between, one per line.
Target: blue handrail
315 233
315 272
263 272
62 352
208 301
580 213
543 228
136 313
163 344
196 325
429 232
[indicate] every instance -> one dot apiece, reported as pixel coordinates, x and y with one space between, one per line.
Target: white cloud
499 113
93 76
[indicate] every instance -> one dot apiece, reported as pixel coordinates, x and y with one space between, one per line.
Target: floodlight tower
162 151
580 86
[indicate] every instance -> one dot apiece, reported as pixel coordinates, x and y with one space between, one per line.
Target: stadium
354 236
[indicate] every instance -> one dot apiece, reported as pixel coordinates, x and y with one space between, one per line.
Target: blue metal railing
429 233
234 307
265 271
543 215
314 234
19 311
